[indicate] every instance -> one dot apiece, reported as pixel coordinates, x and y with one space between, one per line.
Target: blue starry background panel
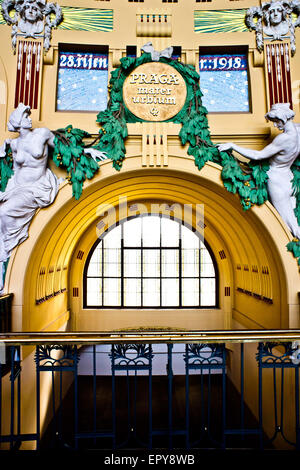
224 82
82 81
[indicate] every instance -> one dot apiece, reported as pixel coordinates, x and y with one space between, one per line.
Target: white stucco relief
274 21
282 152
32 19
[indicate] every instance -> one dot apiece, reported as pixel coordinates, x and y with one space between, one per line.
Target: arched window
150 261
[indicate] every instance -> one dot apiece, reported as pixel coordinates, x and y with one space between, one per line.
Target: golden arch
250 248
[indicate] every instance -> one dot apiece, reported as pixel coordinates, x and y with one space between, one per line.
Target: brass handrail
160 336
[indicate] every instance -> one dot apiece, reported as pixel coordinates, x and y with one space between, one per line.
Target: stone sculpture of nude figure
32 186
282 152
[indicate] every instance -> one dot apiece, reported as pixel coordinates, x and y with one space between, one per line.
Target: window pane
170 292
190 262
133 232
207 267
132 263
94 292
112 292
112 262
190 292
113 238
208 292
189 238
95 265
170 263
151 231
82 81
151 263
224 82
151 292
132 292
169 232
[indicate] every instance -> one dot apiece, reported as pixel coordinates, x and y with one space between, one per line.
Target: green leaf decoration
294 247
6 168
69 154
296 186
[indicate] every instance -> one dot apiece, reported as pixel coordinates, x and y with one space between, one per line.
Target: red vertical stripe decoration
37 74
278 73
288 74
28 72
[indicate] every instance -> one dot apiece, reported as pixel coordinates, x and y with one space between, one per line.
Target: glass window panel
224 82
169 232
151 263
190 292
170 263
95 265
151 292
94 292
202 245
207 267
151 231
82 81
170 292
133 232
190 262
132 292
132 263
205 256
189 238
208 292
207 270
112 292
113 238
112 262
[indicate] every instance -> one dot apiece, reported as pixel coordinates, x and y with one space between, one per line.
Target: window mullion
102 270
142 269
122 265
180 267
200 293
160 263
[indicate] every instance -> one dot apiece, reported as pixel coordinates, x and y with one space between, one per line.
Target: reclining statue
282 152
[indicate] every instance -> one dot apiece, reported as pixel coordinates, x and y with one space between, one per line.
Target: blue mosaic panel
82 81
224 82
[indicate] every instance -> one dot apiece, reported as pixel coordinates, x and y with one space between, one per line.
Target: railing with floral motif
193 390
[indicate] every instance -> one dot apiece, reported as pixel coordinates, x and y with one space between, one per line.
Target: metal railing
234 389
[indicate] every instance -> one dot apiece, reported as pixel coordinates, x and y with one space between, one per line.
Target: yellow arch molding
256 238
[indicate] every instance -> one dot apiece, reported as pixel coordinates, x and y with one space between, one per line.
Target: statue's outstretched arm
269 151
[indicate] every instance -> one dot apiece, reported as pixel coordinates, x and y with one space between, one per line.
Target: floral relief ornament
275 21
32 19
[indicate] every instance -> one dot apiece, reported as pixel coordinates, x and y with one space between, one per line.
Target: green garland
69 154
6 168
294 246
248 181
